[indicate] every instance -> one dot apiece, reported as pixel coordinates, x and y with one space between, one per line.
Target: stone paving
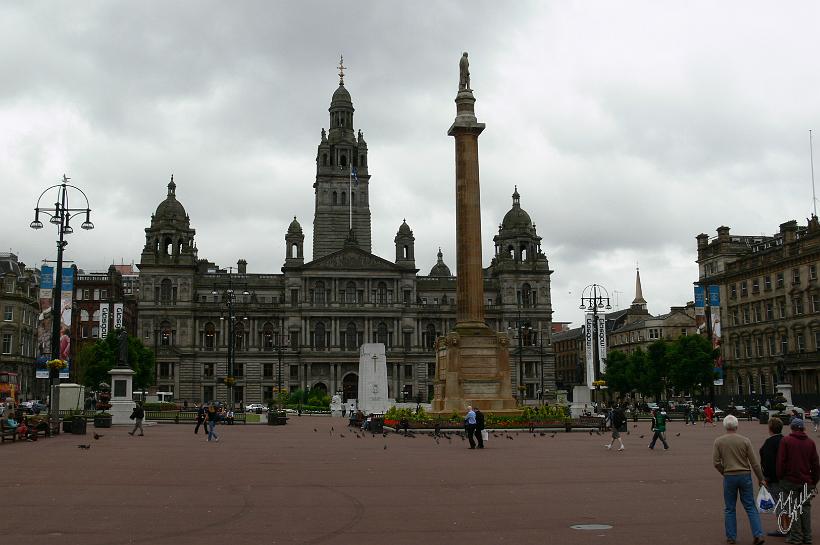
302 483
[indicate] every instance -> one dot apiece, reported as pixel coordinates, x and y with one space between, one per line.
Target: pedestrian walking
768 462
469 425
618 422
815 417
479 427
213 418
798 469
659 429
137 415
709 415
200 419
733 457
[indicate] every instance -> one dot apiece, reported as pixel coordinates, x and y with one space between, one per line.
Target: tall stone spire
639 301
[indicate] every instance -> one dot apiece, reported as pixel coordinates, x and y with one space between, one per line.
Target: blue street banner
699 296
714 296
46 277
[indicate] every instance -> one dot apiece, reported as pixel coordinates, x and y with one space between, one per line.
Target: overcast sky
629 127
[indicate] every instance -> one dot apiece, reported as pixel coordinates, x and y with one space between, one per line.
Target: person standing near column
768 461
469 425
798 468
733 457
479 427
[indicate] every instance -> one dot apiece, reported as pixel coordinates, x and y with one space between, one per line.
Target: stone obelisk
472 362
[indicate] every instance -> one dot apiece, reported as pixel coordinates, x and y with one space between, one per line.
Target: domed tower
342 181
405 241
294 244
440 269
517 240
169 240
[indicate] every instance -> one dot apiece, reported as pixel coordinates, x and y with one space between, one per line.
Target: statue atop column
464 73
122 348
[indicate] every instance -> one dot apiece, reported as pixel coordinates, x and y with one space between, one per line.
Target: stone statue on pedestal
464 73
122 348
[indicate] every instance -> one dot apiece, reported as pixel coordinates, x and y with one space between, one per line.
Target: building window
408 340
381 293
756 285
780 279
801 343
744 291
239 369
319 336
733 291
759 347
748 344
207 394
8 313
381 334
166 370
208 370
654 333
797 305
431 371
736 349
813 272
782 307
294 372
769 311
238 335
210 336
817 340
767 282
6 343
95 331
784 344
267 370
746 319
756 309
408 372
796 277
267 336
815 302
772 346
429 336
735 320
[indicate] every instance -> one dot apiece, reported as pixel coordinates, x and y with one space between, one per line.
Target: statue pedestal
786 390
121 395
473 368
372 379
581 401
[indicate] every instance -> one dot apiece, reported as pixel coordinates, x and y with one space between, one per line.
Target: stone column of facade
472 362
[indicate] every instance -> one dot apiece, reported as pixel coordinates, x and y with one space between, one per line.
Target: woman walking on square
213 418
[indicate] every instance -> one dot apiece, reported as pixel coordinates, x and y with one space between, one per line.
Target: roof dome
516 218
294 226
404 229
440 269
340 95
170 207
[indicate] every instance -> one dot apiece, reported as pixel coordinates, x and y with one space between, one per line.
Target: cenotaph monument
122 379
473 361
372 378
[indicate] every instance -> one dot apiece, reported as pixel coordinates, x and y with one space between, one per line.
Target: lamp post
707 314
520 329
541 364
230 309
60 216
279 346
595 297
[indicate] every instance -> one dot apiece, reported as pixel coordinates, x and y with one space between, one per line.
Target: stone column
470 275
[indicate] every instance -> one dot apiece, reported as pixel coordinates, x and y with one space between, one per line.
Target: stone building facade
769 306
20 309
313 316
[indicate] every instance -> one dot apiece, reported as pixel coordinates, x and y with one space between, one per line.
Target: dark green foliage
94 361
692 362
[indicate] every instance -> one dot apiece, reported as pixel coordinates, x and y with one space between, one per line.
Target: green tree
95 360
691 363
659 363
617 373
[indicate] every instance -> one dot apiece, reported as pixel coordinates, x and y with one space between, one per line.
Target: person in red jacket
798 466
708 415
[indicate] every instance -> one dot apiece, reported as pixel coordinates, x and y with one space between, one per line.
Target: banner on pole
589 331
104 319
118 316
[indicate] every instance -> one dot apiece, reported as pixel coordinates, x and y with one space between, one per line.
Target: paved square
264 484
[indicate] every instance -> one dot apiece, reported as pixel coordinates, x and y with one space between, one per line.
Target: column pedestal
122 403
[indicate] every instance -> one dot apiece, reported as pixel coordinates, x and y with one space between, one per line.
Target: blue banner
698 296
68 279
714 296
47 277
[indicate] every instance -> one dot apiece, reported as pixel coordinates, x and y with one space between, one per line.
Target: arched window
180 246
361 160
381 333
350 292
381 292
294 251
324 159
84 317
510 252
405 252
319 336
318 295
167 246
267 336
352 198
239 335
210 336
524 252
343 161
165 334
165 290
334 201
343 197
351 337
96 316
430 336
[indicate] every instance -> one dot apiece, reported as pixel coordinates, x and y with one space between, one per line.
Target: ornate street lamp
229 313
60 215
595 297
521 327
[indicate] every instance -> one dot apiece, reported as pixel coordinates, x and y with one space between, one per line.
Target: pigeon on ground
634 425
677 434
86 447
385 447
552 436
341 435
542 434
597 432
98 436
641 436
315 430
590 433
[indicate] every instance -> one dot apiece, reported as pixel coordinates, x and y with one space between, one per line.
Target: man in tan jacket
734 458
